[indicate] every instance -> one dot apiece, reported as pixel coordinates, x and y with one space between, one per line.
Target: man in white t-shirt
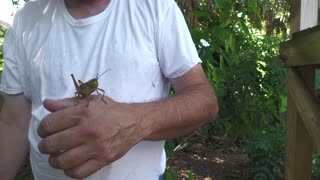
147 46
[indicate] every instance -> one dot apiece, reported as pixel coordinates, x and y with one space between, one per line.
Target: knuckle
75 173
92 131
88 132
114 155
46 145
101 151
85 111
73 120
44 128
105 158
56 162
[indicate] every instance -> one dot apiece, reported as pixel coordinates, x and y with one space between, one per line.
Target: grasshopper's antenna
103 73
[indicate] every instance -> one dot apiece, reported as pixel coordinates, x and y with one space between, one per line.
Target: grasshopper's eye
95 83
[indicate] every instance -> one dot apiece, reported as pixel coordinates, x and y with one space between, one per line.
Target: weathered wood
298 166
306 104
302 49
299 144
295 11
297 52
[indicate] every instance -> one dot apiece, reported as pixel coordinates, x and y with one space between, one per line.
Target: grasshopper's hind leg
98 89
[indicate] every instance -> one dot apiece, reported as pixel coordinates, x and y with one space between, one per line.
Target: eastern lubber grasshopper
85 89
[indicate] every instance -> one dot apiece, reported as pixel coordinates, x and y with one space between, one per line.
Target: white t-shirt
143 42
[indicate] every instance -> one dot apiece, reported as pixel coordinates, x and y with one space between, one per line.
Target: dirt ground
217 159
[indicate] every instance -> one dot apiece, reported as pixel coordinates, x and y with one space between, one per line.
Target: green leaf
190 175
222 4
170 174
221 33
222 66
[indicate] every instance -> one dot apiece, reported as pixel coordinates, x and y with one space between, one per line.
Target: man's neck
85 8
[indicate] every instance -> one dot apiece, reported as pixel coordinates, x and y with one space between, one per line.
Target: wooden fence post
299 145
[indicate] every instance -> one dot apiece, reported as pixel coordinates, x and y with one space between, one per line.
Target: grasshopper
85 89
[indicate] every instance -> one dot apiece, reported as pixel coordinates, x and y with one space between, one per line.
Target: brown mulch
216 159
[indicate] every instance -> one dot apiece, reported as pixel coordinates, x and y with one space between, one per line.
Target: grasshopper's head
95 83
91 85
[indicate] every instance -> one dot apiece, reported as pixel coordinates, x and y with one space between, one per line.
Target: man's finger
60 120
56 105
61 141
71 158
85 169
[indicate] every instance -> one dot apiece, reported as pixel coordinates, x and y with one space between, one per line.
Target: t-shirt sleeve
10 78
176 50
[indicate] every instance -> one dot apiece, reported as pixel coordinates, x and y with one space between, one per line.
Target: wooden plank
297 164
299 144
309 14
306 104
302 33
295 11
302 50
304 14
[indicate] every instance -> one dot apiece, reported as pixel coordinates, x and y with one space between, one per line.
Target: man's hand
83 138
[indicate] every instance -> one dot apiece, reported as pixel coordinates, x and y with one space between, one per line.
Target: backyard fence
301 55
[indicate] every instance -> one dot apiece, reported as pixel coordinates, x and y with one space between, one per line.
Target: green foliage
266 151
16 2
2 34
252 89
240 59
170 174
191 176
316 166
238 41
169 147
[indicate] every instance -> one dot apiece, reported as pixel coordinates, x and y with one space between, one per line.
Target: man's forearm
178 115
14 148
14 120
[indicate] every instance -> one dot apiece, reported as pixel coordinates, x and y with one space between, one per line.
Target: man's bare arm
193 105
14 120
